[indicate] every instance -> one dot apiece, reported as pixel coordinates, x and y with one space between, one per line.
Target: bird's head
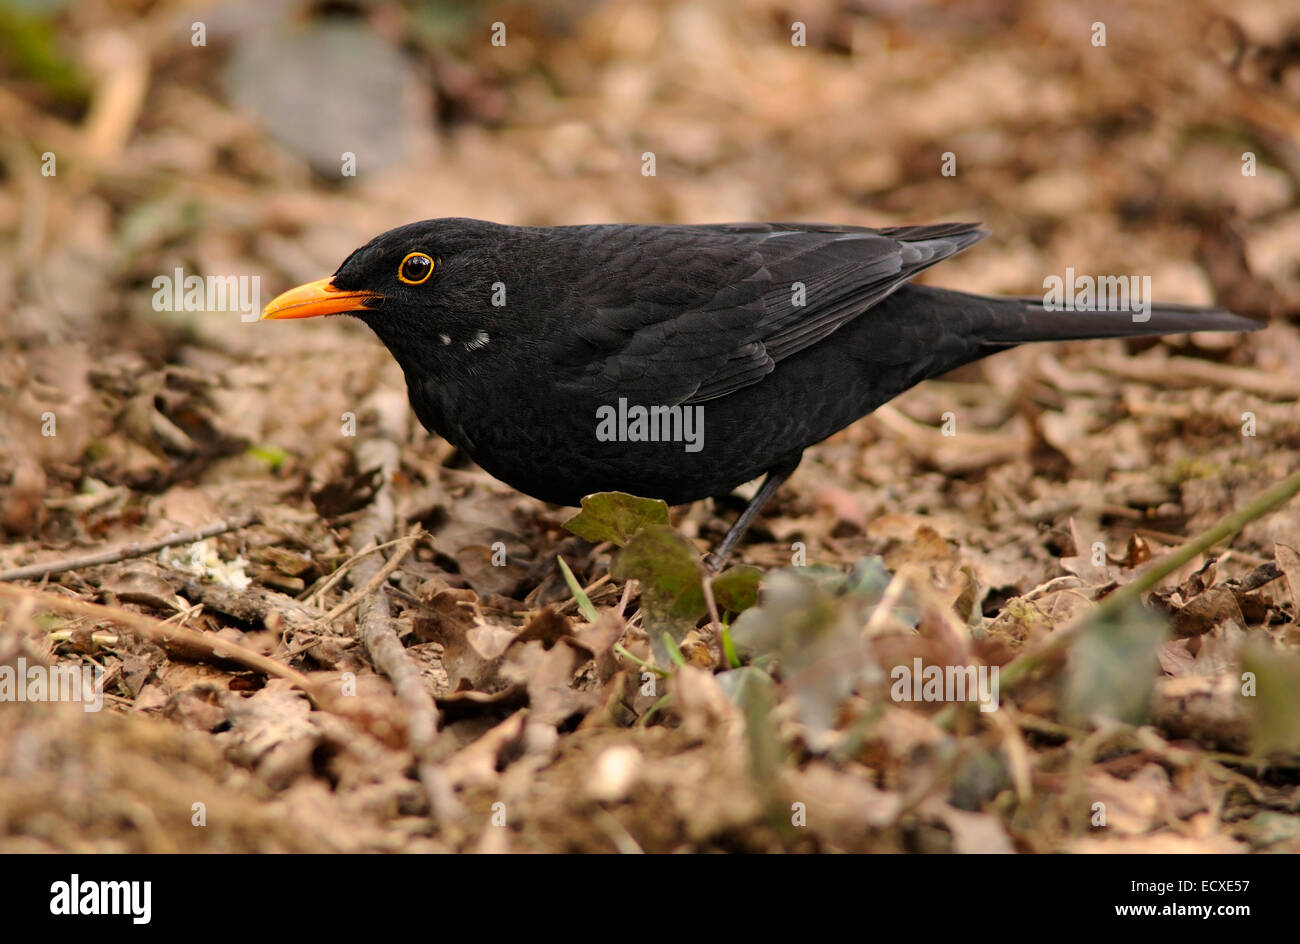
419 287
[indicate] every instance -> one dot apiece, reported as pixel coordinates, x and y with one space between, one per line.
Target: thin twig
36 571
299 650
169 637
371 585
716 624
374 619
341 571
627 595
594 585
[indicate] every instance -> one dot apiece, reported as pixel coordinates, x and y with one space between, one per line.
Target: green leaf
584 602
798 616
811 618
273 456
30 46
1112 668
868 578
1273 695
616 516
672 591
674 652
753 691
737 589
729 648
662 673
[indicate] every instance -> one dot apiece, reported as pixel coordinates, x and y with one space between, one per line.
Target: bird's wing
690 313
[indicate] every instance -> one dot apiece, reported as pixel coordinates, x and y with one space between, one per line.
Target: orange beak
315 298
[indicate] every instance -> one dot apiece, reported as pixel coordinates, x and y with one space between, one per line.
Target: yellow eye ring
416 268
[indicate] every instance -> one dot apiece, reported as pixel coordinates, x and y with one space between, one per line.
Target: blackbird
677 362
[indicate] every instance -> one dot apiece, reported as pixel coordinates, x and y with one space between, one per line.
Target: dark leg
776 477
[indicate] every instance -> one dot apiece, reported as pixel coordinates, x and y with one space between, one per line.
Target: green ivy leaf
737 589
671 576
1273 697
754 692
1112 668
616 516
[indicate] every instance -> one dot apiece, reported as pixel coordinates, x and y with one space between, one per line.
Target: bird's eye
415 268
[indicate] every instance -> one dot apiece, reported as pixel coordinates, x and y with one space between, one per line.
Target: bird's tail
1026 319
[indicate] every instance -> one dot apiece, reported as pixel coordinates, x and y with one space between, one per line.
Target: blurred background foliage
227 157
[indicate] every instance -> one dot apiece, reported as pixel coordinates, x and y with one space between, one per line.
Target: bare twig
327 583
714 623
373 584
374 620
623 600
37 571
168 636
253 605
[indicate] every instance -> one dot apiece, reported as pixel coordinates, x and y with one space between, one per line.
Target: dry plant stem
328 583
714 623
376 580
253 605
293 653
1019 669
374 619
594 585
627 595
36 571
168 636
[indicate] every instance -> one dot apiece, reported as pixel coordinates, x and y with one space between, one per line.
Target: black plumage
780 333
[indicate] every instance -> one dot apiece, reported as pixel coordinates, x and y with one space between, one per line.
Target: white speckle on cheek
444 339
481 339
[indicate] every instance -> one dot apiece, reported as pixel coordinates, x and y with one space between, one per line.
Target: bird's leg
776 477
